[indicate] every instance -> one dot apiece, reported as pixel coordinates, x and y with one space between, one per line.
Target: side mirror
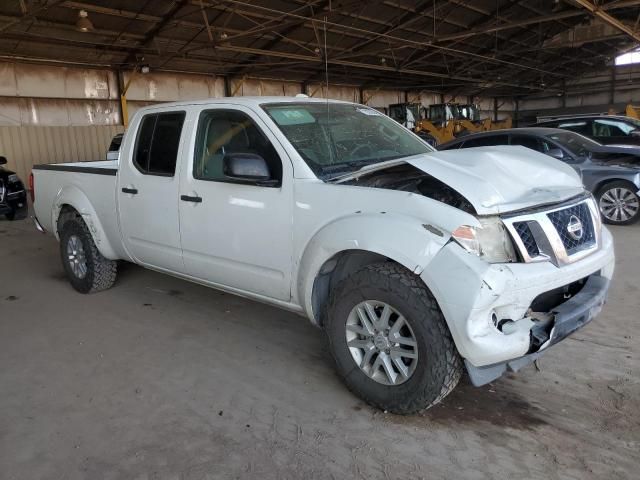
556 153
247 168
3 160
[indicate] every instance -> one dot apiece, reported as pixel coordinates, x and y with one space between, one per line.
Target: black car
605 129
612 173
13 195
113 153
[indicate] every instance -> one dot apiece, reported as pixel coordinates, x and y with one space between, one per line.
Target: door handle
131 191
188 198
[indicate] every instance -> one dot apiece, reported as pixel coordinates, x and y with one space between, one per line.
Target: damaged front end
548 328
408 178
505 315
529 269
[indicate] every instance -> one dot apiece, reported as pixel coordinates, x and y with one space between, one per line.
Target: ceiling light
144 69
84 24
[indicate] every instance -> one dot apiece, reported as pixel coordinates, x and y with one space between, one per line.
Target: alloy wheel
381 342
619 204
76 256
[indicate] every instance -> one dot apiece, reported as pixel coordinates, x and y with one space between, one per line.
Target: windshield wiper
348 166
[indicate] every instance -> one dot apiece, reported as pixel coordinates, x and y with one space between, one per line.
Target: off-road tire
101 272
612 185
439 367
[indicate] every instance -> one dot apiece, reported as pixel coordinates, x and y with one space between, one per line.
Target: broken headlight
490 240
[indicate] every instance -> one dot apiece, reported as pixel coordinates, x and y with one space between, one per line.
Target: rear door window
156 150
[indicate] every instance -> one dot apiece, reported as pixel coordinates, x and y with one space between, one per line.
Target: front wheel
390 341
87 270
619 203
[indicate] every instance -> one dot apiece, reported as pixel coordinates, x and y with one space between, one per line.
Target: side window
487 141
526 141
578 126
221 132
610 128
156 150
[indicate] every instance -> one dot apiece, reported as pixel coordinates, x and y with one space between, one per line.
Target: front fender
406 240
71 195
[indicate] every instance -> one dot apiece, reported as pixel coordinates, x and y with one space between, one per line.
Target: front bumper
568 317
475 296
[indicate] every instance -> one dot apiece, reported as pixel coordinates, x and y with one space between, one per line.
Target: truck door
237 234
148 191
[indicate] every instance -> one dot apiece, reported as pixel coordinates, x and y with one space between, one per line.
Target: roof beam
598 11
33 14
157 28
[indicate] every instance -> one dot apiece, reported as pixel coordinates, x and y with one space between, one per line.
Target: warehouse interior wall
596 93
29 145
73 112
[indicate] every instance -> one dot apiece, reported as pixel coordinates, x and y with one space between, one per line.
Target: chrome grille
523 230
562 218
560 235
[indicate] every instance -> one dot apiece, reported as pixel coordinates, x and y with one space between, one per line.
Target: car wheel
619 203
87 270
389 339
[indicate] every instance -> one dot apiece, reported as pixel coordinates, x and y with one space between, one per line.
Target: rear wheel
619 203
390 341
87 270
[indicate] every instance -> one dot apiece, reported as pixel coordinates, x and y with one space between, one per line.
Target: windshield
575 143
335 138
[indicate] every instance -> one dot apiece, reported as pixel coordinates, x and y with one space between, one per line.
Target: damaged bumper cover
478 298
567 318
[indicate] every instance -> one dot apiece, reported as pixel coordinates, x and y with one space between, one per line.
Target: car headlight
490 241
13 178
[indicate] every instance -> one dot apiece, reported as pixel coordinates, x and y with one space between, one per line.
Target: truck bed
95 181
101 167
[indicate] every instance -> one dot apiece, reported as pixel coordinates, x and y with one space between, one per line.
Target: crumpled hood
503 178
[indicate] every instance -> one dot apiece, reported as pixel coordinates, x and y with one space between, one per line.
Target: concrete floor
158 378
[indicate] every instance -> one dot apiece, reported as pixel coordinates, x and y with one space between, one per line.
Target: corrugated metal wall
45 109
52 95
26 146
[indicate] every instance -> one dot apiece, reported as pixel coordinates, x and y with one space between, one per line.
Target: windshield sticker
292 116
369 111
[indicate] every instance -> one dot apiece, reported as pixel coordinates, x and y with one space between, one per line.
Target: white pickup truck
417 264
